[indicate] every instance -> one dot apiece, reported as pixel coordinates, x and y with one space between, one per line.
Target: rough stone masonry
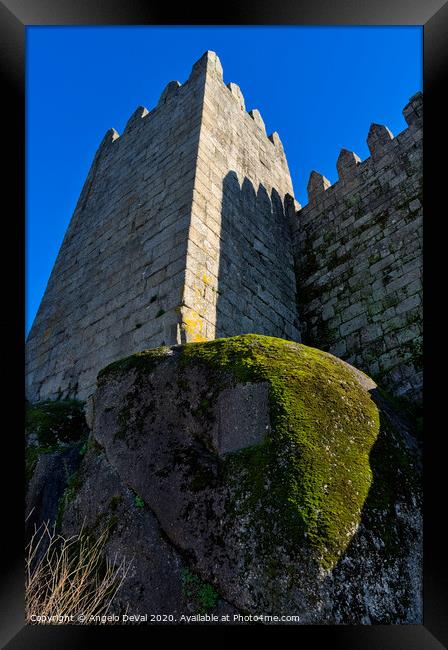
186 230
358 256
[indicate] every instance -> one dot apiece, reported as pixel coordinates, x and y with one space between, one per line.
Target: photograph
224 373
222 325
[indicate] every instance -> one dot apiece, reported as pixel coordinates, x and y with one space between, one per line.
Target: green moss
382 218
104 521
56 422
74 483
352 201
201 470
143 363
93 445
201 594
375 257
391 301
32 455
112 524
115 502
338 259
308 481
138 502
203 408
307 484
182 384
413 350
146 361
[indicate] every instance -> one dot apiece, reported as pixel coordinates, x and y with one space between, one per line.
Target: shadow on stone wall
256 294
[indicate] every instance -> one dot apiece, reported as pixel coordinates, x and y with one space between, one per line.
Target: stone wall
240 272
358 256
179 235
118 280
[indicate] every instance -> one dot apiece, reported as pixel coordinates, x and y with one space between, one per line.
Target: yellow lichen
194 326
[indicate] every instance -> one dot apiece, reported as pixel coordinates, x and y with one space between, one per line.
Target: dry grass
69 577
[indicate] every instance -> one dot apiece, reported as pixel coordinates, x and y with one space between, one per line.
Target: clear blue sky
319 87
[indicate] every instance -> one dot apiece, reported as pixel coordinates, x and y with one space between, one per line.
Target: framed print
225 368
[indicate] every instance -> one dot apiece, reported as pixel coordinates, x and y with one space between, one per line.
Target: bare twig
71 576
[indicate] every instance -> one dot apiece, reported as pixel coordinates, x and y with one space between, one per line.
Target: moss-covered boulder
278 471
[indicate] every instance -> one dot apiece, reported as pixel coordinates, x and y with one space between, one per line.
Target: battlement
208 64
382 146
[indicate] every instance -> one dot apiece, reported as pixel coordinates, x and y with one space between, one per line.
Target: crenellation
378 138
169 91
236 92
135 120
347 164
317 184
275 139
413 112
208 65
256 116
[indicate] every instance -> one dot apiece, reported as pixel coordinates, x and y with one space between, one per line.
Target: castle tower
179 234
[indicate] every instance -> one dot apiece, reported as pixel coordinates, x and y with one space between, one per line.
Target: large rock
273 472
55 432
46 487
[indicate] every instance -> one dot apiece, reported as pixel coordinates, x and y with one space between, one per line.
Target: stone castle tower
186 230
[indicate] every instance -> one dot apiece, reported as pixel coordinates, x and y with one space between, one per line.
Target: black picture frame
15 16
